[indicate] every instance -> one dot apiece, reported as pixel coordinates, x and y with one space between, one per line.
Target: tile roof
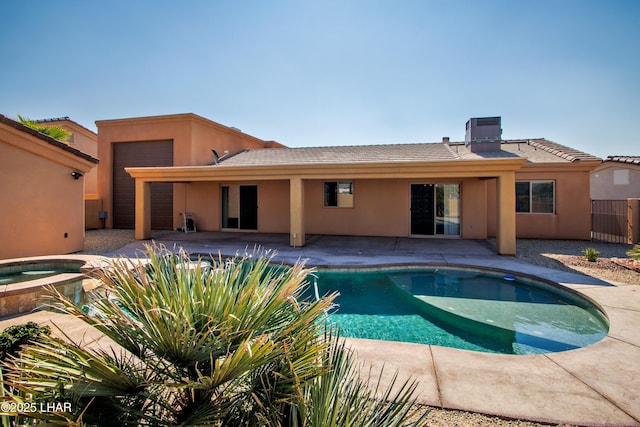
64 119
624 159
342 154
46 138
535 151
568 153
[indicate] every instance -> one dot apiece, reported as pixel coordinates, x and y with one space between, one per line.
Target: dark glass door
248 207
422 209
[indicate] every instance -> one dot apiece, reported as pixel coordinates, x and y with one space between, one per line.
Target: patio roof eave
429 169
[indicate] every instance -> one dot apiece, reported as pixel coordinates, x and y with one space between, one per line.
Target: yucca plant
340 396
233 344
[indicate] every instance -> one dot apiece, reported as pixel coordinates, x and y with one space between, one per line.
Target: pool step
522 318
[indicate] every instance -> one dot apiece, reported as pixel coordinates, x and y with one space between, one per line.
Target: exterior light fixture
76 175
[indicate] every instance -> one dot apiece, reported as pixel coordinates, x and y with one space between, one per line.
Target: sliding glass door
435 209
240 207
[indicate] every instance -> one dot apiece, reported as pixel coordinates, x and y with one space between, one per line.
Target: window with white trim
338 194
535 197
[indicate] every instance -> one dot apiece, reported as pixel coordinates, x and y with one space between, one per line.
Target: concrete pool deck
595 385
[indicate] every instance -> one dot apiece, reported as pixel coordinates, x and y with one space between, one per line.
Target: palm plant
591 254
223 343
55 132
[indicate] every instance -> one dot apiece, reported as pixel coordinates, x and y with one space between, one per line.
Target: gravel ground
565 255
100 242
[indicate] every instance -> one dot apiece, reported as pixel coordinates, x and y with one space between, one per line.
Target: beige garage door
141 153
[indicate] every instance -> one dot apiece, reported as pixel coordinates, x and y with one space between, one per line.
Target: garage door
141 153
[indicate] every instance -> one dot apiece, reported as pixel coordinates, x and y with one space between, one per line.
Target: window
338 194
535 197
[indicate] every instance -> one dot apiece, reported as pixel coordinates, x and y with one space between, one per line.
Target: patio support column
506 213
143 210
296 203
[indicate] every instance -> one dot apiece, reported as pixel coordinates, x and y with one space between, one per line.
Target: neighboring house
615 194
229 180
617 178
86 141
41 191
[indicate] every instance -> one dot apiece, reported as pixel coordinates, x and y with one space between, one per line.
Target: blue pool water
32 274
461 309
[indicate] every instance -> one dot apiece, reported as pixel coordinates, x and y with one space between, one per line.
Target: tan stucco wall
204 202
86 142
92 208
604 187
473 200
572 218
193 137
381 208
273 206
40 201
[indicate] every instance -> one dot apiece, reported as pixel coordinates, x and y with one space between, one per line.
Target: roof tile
535 151
624 159
342 154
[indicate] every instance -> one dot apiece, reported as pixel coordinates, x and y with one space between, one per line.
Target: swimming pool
466 309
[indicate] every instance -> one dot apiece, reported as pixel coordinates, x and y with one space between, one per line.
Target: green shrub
591 254
634 253
14 337
233 344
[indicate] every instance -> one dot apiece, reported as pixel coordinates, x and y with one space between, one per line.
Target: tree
227 342
55 132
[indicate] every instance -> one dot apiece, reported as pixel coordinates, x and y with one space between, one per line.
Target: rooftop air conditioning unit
483 134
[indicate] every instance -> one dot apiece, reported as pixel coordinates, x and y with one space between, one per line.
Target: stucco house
86 141
42 193
615 194
617 178
155 168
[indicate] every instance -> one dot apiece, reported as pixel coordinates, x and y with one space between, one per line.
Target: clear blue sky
308 73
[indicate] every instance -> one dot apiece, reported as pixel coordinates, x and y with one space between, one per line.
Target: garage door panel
140 154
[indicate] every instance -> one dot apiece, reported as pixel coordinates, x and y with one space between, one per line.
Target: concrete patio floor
595 385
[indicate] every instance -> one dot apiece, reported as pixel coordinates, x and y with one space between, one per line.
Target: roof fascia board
577 166
455 169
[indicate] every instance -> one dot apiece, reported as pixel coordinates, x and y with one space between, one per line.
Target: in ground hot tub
24 283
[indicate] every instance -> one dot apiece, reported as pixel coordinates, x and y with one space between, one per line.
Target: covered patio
297 175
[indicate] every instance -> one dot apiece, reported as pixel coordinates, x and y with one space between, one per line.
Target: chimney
445 139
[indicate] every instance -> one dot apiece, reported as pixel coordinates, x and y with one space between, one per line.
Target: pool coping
594 385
